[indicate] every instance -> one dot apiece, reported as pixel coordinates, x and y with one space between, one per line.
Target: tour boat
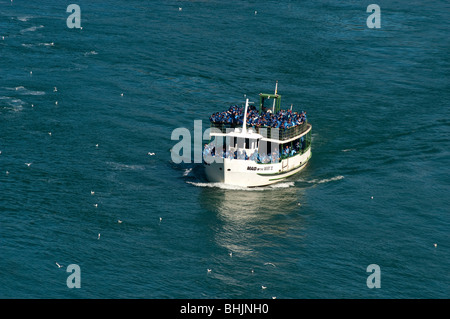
269 146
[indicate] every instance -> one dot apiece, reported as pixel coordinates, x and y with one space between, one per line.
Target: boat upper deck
280 125
267 132
271 122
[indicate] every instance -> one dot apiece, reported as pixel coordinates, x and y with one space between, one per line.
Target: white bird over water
263 287
96 205
98 236
59 266
150 153
92 192
28 164
55 89
119 221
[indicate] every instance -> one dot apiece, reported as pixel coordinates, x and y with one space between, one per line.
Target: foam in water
31 29
91 53
24 91
121 166
24 18
13 103
47 44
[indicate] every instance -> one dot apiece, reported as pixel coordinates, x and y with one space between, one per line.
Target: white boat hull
252 174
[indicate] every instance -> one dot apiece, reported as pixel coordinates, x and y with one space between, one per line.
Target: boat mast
244 126
276 89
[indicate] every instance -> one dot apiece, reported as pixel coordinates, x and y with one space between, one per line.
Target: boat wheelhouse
255 147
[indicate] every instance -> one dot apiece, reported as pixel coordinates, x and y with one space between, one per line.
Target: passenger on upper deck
282 119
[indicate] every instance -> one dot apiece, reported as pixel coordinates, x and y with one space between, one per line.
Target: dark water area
376 190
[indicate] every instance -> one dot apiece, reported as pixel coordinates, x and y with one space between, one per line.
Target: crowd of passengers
281 119
274 157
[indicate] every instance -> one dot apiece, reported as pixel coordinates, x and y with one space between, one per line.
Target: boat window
232 141
247 143
218 142
240 142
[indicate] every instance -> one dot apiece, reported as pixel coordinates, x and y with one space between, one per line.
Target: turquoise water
376 190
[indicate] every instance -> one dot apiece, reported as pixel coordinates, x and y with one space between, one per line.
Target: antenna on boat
276 89
244 126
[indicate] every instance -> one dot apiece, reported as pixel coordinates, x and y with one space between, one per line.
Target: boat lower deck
251 174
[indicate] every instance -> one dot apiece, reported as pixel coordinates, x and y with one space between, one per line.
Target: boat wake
235 187
324 180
